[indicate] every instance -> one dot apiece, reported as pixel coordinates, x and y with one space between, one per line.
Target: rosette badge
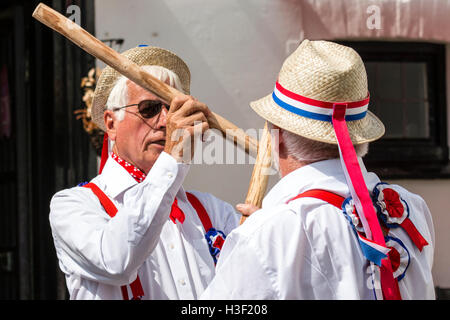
399 257
215 239
394 211
370 249
351 214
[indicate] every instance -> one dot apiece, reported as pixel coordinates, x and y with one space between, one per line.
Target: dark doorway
43 148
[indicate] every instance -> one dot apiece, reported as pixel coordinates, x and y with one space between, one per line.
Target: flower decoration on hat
394 211
398 255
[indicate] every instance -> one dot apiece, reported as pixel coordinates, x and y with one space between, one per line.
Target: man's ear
280 136
281 145
110 119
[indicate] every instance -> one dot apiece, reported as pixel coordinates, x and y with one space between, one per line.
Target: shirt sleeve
270 257
92 245
240 274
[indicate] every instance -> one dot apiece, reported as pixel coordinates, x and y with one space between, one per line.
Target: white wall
235 49
436 194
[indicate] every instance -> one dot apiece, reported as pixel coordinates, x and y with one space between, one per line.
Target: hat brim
368 129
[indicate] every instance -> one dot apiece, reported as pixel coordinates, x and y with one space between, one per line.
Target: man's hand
185 117
246 209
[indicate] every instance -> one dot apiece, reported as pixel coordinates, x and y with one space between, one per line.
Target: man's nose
162 119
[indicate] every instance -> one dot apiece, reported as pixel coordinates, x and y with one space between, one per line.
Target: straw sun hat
320 72
142 55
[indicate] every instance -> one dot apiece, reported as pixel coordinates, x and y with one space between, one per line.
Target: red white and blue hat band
315 109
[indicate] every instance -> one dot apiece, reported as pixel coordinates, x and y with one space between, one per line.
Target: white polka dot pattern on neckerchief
135 172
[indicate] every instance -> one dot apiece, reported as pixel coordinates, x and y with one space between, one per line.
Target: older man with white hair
133 232
328 229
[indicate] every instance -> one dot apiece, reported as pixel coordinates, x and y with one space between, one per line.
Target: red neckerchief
135 172
175 213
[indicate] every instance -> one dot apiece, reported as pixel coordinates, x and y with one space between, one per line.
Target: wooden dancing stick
260 174
132 71
98 49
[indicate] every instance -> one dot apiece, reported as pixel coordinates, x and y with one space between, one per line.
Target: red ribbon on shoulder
414 234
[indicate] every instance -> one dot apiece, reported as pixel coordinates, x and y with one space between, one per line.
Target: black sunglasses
147 108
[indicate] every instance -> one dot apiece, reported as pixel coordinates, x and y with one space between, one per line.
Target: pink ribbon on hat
361 197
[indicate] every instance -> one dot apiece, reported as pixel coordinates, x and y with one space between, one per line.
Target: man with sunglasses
133 232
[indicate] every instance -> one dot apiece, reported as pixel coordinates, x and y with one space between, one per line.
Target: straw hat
142 55
326 72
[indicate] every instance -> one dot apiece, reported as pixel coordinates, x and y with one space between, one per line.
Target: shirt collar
326 175
115 178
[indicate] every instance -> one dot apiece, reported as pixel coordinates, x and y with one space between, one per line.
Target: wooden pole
132 71
261 170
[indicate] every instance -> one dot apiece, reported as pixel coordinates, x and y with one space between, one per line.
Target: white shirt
98 254
307 249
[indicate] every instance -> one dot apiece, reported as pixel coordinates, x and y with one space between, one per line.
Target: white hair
119 93
306 150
